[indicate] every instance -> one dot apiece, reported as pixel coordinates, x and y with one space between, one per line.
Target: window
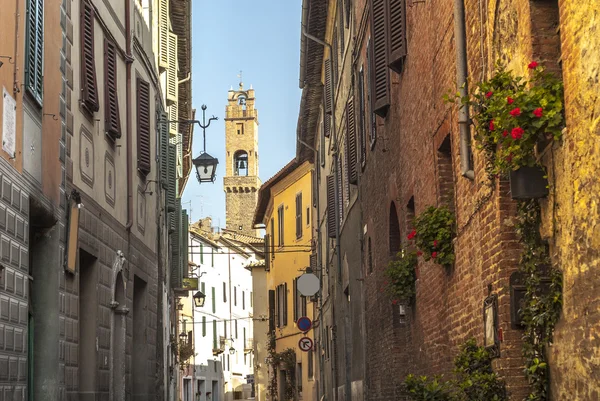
445 171
299 215
112 118
214 333
299 302
410 215
396 23
89 87
203 326
224 291
394 231
272 238
380 74
308 216
280 223
240 129
311 369
143 126
361 116
372 121
281 305
240 163
214 299
34 49
243 300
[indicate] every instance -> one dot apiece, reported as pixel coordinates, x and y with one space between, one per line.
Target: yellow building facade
284 208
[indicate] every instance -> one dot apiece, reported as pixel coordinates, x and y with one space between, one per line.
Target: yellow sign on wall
190 284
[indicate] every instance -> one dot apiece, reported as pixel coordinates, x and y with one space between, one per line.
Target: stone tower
241 182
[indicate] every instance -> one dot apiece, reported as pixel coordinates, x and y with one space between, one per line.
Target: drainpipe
16 87
461 82
128 62
336 173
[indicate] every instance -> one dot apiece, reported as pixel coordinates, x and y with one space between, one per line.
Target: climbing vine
474 379
542 301
286 359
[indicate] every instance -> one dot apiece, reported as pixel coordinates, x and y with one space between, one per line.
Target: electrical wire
224 320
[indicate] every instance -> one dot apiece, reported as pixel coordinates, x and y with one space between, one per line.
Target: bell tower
241 182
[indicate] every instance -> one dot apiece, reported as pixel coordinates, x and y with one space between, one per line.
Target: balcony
249 346
221 348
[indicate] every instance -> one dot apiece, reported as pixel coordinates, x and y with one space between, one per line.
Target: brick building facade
403 150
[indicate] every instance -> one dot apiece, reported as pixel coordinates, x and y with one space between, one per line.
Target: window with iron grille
34 49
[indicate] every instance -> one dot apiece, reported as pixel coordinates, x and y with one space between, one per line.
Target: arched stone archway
118 329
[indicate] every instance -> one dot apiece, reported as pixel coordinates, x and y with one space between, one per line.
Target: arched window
242 101
394 234
240 163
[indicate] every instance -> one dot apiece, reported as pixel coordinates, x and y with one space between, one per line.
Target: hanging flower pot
528 183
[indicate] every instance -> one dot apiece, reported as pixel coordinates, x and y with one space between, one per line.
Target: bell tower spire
241 182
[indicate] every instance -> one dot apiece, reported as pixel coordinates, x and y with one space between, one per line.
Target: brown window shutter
326 125
285 304
112 120
351 142
271 311
328 87
267 252
380 75
313 262
143 126
340 184
397 34
331 221
361 116
89 87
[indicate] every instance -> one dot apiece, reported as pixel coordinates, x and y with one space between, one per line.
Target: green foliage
420 388
287 360
509 140
475 380
434 232
542 302
401 275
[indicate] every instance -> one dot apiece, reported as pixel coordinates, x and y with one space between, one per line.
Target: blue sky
261 38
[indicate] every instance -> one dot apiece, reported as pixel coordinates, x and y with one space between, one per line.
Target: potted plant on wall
513 116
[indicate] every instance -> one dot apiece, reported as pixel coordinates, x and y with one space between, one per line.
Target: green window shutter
34 49
184 258
201 253
214 326
380 75
203 288
225 328
203 326
172 187
214 305
176 275
212 257
163 129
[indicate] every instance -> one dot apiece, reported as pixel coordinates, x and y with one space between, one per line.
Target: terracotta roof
264 193
312 94
242 237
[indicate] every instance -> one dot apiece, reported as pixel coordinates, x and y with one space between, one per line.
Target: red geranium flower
510 100
492 125
505 133
509 158
435 242
419 253
538 112
412 234
516 112
395 301
489 94
433 255
533 65
517 133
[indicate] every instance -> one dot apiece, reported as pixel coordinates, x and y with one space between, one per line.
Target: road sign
305 344
308 284
304 324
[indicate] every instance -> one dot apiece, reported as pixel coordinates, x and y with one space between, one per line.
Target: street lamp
206 165
231 349
199 299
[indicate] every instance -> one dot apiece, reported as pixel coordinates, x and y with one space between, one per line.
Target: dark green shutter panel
171 190
271 311
351 142
397 33
34 52
176 275
380 73
214 307
326 125
328 87
163 129
89 86
295 302
184 243
331 221
112 119
214 327
203 326
143 126
340 184
285 305
267 252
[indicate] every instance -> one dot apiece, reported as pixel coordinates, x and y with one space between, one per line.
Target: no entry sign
305 344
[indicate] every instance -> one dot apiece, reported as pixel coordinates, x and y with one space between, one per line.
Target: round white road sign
308 284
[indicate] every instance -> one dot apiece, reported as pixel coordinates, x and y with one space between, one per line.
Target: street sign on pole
304 324
305 344
308 284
